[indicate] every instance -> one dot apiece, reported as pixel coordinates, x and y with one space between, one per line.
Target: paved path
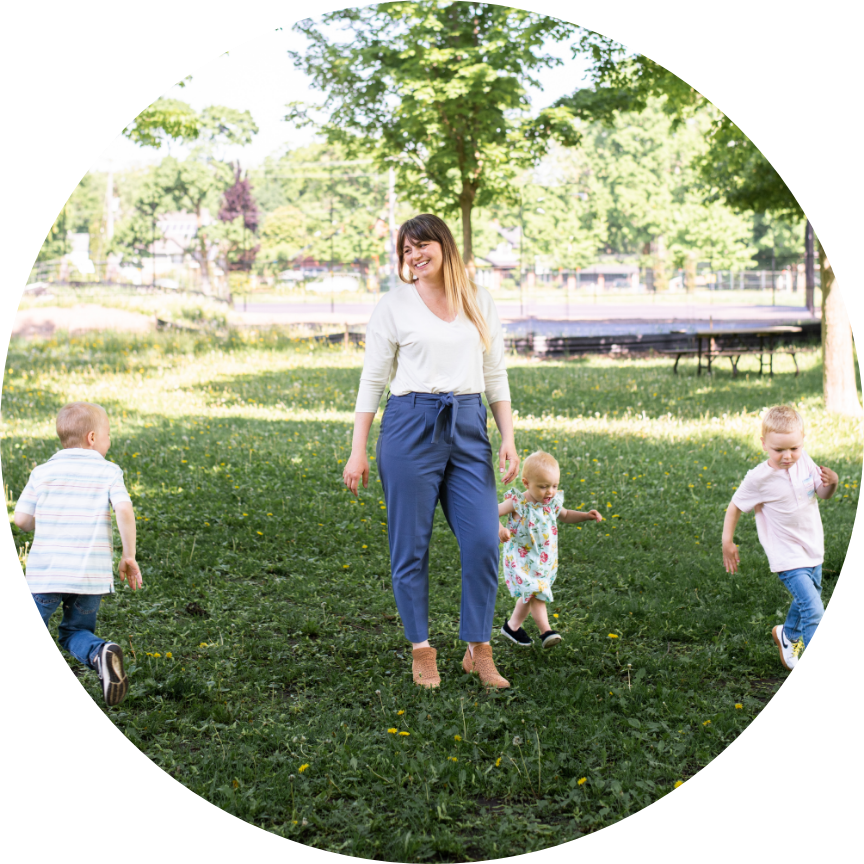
550 319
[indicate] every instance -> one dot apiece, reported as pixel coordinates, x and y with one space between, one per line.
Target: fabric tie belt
444 402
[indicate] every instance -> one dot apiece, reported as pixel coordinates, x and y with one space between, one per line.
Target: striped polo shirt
71 496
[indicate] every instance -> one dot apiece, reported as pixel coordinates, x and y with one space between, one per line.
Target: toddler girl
531 545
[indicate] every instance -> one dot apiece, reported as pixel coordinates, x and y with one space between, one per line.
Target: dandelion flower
203 645
738 705
679 783
581 780
392 731
452 758
457 737
498 762
405 733
613 636
400 712
169 655
517 741
303 767
706 722
554 614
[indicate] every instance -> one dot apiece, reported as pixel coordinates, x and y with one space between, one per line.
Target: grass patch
268 667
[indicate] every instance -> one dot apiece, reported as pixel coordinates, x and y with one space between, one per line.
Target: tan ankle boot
424 667
482 664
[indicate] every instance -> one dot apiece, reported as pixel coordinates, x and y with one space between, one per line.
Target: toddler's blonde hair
76 420
538 461
781 418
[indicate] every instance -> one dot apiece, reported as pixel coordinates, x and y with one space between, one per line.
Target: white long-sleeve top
415 351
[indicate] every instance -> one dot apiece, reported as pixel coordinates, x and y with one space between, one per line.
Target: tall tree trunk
202 252
466 203
840 389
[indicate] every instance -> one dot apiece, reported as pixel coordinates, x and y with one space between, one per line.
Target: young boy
67 501
783 492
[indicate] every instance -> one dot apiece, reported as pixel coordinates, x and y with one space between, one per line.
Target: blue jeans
431 448
806 611
76 633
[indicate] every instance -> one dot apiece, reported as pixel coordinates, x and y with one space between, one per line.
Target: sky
258 76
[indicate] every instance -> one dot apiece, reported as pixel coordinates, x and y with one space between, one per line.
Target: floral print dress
531 553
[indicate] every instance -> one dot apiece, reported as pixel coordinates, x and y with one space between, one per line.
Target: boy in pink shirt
783 492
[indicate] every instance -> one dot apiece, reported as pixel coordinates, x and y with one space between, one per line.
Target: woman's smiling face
424 258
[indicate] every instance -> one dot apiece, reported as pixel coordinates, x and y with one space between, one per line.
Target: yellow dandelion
554 614
498 762
400 712
303 767
169 655
679 783
452 758
406 734
261 533
706 722
613 636
392 731
738 705
581 780
457 737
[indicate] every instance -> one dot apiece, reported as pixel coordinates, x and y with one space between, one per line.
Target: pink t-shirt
787 512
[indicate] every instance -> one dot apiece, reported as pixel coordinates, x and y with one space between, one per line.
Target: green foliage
266 638
321 205
439 88
172 119
631 181
164 119
732 167
736 172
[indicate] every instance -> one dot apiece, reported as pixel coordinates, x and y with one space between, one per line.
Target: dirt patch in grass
43 321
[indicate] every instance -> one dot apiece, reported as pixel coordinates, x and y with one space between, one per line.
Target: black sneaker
520 637
109 668
550 638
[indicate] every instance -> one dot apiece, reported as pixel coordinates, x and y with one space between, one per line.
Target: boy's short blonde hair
76 420
782 418
538 461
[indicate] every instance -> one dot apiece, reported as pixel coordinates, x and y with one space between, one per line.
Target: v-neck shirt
415 351
787 512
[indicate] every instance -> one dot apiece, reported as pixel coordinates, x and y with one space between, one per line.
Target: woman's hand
356 470
507 456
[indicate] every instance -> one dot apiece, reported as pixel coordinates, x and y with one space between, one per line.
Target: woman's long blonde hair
460 291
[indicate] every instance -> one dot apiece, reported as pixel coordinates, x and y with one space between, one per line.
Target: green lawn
267 663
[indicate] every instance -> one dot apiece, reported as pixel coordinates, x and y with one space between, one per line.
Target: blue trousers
806 611
434 447
77 629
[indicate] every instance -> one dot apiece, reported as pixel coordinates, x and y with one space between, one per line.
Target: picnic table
729 342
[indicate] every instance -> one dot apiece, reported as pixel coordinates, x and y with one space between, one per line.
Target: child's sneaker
788 654
550 638
109 668
520 637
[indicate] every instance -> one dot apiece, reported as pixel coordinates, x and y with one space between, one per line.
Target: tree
240 212
323 205
734 170
195 185
173 120
439 88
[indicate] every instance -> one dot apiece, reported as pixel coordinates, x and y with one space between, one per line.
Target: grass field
269 671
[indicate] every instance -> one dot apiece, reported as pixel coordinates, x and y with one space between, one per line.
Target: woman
437 341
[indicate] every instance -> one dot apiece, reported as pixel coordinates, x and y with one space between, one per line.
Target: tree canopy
438 88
